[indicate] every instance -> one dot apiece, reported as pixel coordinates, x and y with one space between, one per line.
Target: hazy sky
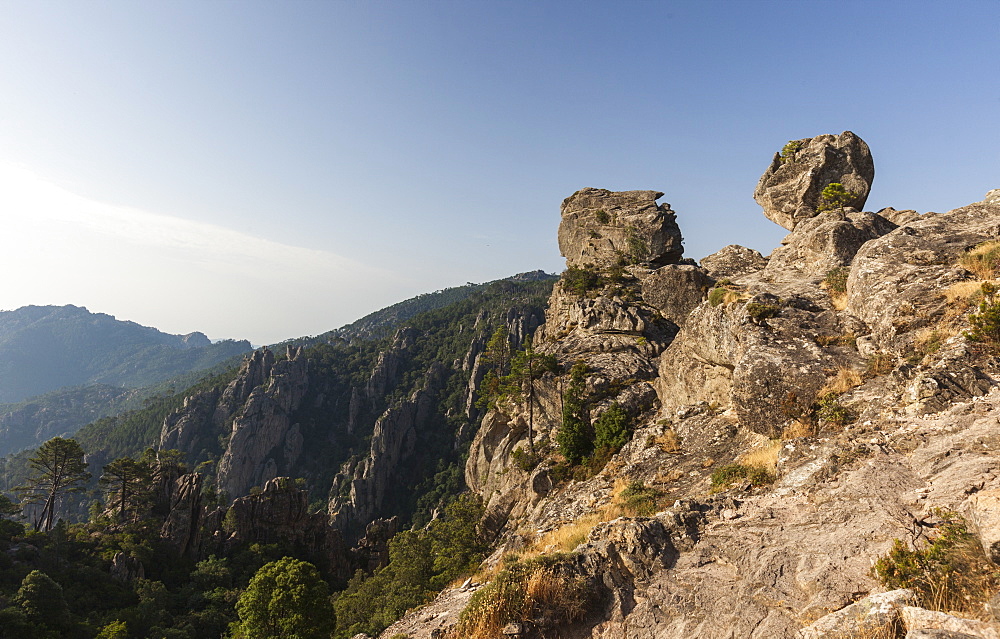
267 170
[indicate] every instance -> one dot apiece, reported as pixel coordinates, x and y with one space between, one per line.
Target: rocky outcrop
602 228
898 282
791 188
263 439
363 489
733 261
822 243
182 528
280 514
751 355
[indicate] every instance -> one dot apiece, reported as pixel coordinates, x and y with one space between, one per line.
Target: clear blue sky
266 170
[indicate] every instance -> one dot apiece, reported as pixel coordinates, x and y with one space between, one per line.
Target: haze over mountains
62 367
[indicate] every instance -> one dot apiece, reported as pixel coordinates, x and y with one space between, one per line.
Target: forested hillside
167 552
44 348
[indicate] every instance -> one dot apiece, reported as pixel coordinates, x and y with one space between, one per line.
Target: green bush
789 150
830 410
639 499
582 281
836 279
717 295
602 216
732 473
950 573
835 196
613 429
760 312
986 323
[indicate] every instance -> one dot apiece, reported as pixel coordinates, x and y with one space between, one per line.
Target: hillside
44 348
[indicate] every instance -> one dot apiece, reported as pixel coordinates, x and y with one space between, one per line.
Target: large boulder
602 228
791 189
733 261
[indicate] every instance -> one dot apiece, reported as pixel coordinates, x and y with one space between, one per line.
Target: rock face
182 528
733 261
280 513
602 228
369 482
263 439
791 188
874 409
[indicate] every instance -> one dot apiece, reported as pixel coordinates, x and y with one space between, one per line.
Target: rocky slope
840 360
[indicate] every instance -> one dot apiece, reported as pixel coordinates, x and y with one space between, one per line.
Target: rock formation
263 438
791 189
875 408
601 228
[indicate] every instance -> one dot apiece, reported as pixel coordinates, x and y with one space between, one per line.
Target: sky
269 170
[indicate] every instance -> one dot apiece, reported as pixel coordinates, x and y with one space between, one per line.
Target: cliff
794 415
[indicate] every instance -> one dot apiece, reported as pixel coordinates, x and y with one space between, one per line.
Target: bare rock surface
261 429
600 227
790 190
733 261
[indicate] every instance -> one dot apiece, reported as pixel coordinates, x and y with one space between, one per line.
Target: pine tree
61 468
575 437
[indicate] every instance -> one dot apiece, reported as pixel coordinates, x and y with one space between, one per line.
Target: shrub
950 573
525 460
639 500
986 323
602 216
613 429
789 150
582 281
983 260
731 473
537 591
836 279
835 196
637 248
717 295
760 311
830 410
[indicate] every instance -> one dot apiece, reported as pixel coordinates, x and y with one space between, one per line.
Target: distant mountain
382 322
44 348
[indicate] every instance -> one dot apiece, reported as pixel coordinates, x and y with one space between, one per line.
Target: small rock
921 619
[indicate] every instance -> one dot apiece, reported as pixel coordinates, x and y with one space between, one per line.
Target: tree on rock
60 468
125 480
286 599
576 436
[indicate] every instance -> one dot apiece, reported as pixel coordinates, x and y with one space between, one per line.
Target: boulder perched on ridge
603 228
791 190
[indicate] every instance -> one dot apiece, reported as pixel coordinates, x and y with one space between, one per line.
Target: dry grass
572 534
668 441
765 457
532 592
843 380
838 300
983 261
798 428
963 293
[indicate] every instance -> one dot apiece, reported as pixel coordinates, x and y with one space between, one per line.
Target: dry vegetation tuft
843 380
983 261
765 457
